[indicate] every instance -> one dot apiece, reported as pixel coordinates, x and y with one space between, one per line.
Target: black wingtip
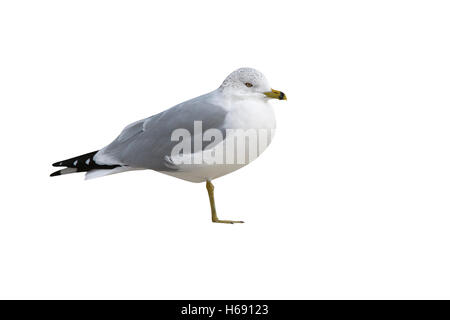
56 173
82 163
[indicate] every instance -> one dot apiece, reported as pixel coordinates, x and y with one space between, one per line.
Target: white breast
244 120
250 114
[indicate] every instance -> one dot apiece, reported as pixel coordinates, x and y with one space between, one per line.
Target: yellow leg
210 188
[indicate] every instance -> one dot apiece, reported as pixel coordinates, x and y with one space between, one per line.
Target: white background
350 201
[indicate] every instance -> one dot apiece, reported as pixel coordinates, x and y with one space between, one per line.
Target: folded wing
146 143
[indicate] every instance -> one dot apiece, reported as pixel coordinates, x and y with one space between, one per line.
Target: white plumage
198 140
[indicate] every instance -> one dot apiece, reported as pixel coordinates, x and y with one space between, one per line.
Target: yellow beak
275 94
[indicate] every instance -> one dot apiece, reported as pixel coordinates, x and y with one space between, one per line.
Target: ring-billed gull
198 140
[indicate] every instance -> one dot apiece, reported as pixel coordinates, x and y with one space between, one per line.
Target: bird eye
248 84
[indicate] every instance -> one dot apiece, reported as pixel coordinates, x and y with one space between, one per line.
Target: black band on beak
282 95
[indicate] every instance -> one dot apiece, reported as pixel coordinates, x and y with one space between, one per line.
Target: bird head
248 82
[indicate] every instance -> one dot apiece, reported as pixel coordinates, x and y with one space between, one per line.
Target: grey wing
147 143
